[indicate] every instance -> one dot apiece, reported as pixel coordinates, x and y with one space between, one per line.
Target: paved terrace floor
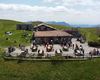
86 48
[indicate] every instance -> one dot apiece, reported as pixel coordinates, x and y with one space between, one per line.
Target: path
87 32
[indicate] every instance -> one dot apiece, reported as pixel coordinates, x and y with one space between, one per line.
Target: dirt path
87 32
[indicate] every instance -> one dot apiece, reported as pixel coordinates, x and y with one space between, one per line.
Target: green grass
89 33
9 25
59 26
16 70
82 70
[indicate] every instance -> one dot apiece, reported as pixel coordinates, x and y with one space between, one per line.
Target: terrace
56 47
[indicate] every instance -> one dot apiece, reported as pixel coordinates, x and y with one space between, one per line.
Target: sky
70 11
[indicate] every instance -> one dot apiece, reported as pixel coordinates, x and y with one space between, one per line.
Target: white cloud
59 13
20 7
75 2
52 0
81 2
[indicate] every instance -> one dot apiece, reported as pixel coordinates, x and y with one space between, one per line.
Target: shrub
94 44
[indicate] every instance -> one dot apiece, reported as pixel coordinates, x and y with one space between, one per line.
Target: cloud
22 12
75 2
81 2
52 0
20 7
15 7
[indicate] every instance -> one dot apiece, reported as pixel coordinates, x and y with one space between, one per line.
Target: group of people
49 48
79 50
82 40
11 49
46 43
94 52
22 47
23 54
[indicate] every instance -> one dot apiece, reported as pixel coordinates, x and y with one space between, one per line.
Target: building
55 35
29 27
75 33
45 33
44 27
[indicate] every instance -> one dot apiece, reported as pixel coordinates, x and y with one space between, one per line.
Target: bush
94 44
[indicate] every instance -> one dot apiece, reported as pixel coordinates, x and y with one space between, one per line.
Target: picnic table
34 48
79 53
41 52
58 52
65 48
49 48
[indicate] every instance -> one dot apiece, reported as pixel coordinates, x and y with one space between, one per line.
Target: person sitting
65 48
26 51
58 52
22 47
47 43
41 52
94 52
22 54
77 46
11 49
49 48
81 47
34 48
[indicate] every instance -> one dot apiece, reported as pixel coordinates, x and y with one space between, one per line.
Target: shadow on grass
55 62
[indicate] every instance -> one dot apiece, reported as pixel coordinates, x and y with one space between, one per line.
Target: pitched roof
42 24
54 33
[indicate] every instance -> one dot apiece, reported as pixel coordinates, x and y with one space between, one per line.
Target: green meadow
29 70
24 70
89 33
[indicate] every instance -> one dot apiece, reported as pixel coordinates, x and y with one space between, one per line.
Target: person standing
77 46
98 52
83 51
73 46
52 43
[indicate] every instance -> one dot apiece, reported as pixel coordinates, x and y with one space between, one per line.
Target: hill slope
89 33
18 70
25 70
10 26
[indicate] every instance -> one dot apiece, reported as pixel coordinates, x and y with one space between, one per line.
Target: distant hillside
50 22
85 26
57 23
34 22
66 24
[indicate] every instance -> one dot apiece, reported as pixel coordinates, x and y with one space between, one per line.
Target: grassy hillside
59 26
17 70
89 33
82 70
9 25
